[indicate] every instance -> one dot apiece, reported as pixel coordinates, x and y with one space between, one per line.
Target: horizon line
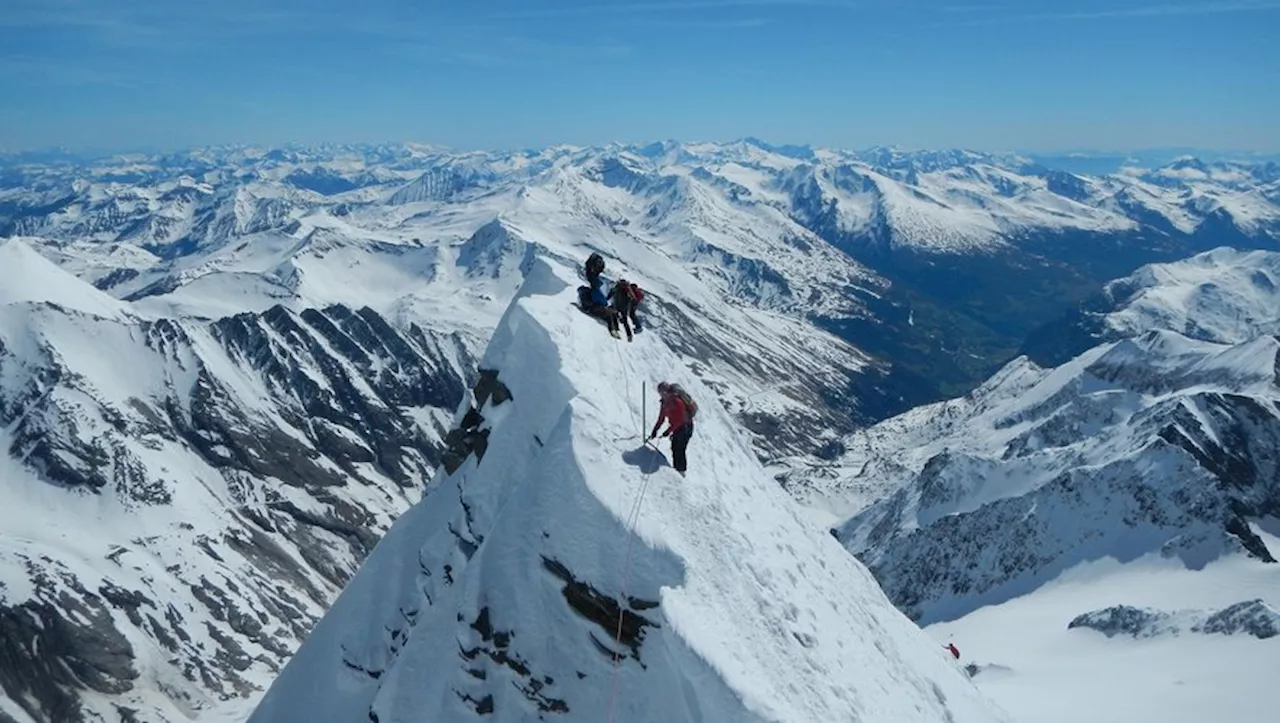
84 152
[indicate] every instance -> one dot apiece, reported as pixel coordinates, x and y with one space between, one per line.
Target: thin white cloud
490 49
41 71
147 22
698 24
659 6
1148 11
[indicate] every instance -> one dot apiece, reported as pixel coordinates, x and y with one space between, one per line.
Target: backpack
689 404
595 264
636 294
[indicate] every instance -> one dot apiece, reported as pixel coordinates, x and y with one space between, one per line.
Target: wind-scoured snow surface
496 597
29 278
181 499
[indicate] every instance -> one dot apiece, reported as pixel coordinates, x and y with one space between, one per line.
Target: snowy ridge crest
499 595
31 278
1224 295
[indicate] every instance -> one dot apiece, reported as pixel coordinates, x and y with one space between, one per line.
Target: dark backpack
595 265
689 404
625 293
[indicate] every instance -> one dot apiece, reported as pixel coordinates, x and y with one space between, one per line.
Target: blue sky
989 74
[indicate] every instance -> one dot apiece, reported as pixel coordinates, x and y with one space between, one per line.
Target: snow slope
1224 295
497 596
1041 671
31 278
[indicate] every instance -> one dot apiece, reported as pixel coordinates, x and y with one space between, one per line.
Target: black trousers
679 443
627 313
610 318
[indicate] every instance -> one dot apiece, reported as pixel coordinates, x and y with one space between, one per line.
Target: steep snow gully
497 596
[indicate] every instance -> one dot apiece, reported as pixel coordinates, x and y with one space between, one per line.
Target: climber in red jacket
678 409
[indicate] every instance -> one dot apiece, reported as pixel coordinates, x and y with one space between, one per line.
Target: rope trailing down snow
632 518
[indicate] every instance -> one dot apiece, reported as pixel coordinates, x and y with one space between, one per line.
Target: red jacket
674 411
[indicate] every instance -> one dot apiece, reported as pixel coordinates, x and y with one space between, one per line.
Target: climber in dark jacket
598 297
625 297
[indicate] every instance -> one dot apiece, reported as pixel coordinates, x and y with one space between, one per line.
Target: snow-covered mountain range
1155 449
1223 296
937 263
239 368
182 499
1161 441
565 572
1153 444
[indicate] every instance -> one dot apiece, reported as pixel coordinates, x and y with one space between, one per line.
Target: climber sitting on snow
625 297
678 409
592 299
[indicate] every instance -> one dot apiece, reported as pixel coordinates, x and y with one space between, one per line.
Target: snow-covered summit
560 545
1224 295
28 277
